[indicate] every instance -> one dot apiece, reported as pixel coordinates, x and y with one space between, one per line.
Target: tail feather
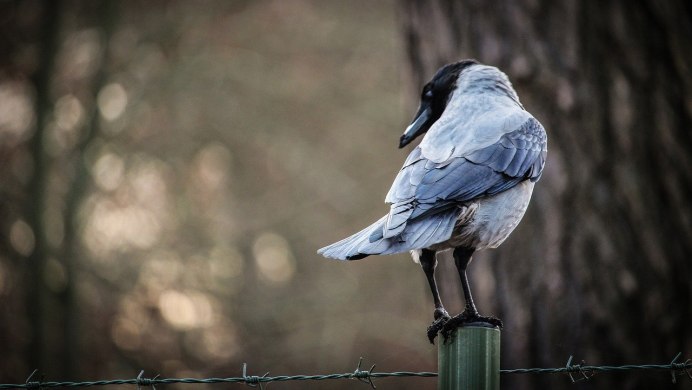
420 233
348 248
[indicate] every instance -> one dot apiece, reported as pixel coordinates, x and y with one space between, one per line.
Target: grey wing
424 188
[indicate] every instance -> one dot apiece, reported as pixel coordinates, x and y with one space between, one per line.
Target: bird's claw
467 319
437 325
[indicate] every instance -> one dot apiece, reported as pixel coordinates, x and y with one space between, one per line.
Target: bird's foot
468 318
441 318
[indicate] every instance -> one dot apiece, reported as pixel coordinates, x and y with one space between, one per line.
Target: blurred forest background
168 170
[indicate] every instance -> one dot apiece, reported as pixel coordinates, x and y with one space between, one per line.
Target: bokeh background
168 170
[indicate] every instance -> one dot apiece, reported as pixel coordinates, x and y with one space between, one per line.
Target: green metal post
470 359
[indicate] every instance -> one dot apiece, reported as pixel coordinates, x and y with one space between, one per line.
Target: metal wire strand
576 372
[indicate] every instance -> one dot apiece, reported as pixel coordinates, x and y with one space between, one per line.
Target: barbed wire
587 371
575 372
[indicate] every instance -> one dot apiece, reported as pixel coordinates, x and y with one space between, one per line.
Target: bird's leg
428 262
462 258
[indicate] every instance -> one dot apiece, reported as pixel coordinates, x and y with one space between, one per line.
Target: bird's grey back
484 143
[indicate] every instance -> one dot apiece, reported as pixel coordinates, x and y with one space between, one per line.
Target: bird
465 187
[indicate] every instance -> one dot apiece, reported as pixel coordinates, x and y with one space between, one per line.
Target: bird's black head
433 100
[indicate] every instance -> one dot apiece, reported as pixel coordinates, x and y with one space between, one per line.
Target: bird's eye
427 92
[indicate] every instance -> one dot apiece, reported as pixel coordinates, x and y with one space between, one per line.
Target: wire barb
680 369
253 380
33 385
570 369
362 375
141 381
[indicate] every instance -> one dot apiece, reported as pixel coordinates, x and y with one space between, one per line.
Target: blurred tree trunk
57 352
35 270
599 268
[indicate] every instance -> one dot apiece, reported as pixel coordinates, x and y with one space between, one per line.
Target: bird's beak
417 127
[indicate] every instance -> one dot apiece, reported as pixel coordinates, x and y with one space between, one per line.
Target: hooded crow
465 187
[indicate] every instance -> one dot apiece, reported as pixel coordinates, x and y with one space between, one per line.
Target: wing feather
423 188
